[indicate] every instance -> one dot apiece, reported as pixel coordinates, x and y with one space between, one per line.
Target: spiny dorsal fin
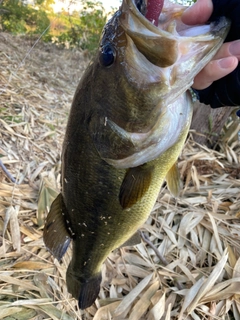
174 181
135 184
55 234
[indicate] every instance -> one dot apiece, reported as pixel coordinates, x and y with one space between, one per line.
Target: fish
128 123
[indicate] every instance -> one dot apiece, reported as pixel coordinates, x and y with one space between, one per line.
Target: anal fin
174 181
55 234
133 241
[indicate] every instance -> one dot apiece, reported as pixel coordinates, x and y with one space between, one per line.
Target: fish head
141 75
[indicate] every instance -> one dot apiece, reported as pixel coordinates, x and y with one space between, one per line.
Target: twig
158 254
7 173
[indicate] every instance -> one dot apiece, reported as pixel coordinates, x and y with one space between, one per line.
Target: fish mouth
176 48
150 40
159 62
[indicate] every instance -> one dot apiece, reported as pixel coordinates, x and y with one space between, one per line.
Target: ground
188 266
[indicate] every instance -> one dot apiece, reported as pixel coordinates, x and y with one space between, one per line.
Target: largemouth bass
128 123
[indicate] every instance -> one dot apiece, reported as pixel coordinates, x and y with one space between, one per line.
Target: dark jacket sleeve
225 91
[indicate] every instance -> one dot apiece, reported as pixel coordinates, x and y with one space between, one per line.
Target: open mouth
159 57
159 34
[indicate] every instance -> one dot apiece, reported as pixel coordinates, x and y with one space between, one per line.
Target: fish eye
107 55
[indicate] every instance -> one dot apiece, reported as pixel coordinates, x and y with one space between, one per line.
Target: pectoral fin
135 184
173 180
55 234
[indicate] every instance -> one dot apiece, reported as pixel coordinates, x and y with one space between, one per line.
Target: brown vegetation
189 265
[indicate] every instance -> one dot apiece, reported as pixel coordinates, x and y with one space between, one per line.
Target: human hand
221 77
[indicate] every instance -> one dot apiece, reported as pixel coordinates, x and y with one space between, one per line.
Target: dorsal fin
55 234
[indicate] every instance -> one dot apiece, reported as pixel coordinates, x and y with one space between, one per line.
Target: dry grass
189 265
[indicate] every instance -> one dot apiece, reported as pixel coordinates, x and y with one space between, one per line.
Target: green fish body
128 123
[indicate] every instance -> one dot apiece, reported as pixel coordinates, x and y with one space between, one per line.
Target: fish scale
109 215
127 126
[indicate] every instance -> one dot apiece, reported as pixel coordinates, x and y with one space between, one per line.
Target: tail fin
85 290
89 291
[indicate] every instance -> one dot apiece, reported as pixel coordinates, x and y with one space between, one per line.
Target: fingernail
198 13
226 63
234 48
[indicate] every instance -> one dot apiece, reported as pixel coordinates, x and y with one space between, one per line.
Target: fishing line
2 166
14 73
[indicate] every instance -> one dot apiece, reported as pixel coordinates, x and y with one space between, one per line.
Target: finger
215 70
228 49
200 12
